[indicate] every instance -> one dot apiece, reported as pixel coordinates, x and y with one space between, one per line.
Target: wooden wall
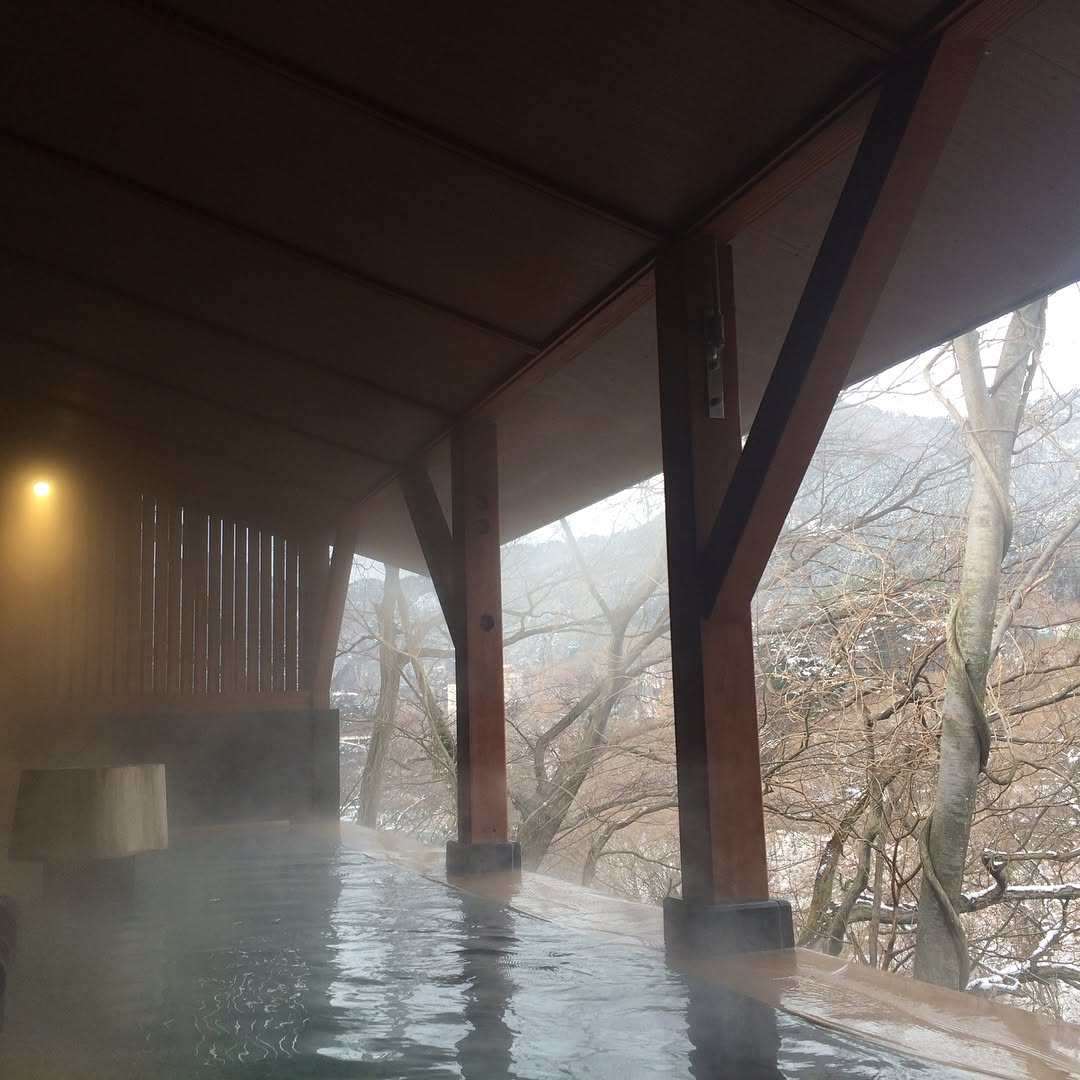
113 594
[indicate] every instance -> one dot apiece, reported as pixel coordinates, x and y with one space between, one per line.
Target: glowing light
42 489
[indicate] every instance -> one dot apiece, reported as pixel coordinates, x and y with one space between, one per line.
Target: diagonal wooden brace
920 100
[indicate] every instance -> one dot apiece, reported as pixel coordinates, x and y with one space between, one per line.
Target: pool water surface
285 954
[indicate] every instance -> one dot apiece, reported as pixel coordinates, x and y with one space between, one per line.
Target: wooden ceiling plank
318 83
131 380
347 378
75 164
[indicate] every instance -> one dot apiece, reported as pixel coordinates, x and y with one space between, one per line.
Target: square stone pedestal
725 929
493 857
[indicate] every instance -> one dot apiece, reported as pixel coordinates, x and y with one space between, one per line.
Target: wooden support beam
333 608
919 103
481 720
436 542
721 827
465 567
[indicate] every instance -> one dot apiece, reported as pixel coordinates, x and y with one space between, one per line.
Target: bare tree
994 415
391 661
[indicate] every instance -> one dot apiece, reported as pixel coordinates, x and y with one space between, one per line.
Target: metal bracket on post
714 337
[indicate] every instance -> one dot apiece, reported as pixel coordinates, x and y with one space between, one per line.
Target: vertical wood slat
158 598
27 593
280 632
71 602
107 568
147 576
253 612
266 612
106 572
133 622
60 622
47 672
83 597
129 609
292 603
229 605
85 609
240 614
184 680
174 625
91 557
200 557
78 603
124 531
162 522
214 613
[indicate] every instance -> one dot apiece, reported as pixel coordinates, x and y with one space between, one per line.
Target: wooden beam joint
919 103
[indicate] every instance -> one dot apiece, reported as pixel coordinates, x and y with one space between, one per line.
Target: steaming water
279 955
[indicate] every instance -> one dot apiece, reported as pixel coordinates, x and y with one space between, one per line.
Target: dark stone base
493 857
725 929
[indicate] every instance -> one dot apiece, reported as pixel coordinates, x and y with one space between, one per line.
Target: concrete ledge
492 857
964 1032
727 929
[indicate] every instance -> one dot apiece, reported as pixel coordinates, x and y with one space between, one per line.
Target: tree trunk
993 417
382 727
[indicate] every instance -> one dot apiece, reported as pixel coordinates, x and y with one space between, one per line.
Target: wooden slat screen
152 597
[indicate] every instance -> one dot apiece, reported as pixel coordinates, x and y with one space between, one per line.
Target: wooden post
465 565
721 828
481 720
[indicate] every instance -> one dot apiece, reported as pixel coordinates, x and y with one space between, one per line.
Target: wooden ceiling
276 248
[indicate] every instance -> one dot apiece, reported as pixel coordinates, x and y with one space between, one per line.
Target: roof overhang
270 256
